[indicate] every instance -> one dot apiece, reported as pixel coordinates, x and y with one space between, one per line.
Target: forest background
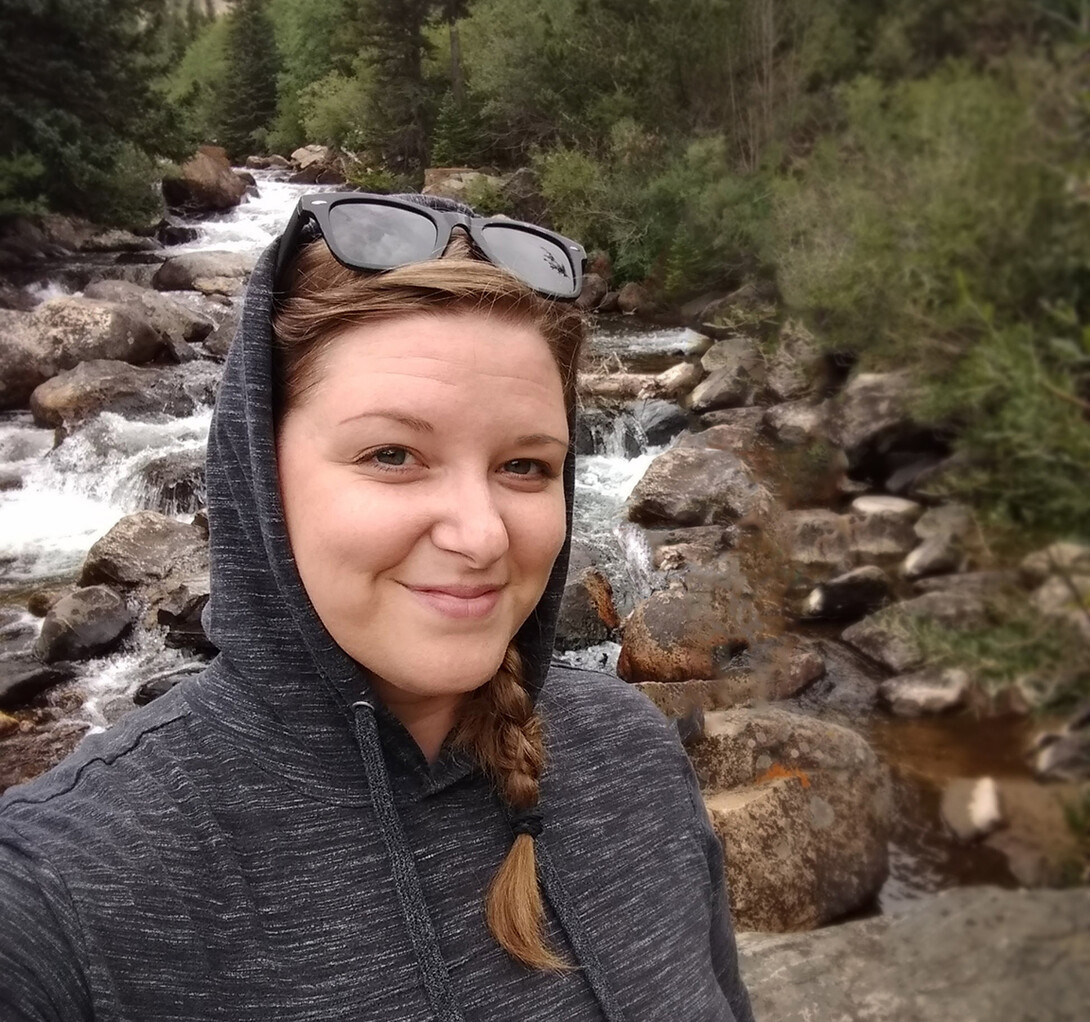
911 178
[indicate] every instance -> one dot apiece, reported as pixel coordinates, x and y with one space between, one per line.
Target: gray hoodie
267 842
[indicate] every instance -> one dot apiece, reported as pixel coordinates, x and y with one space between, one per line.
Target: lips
459 601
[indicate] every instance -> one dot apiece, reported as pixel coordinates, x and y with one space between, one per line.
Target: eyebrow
423 426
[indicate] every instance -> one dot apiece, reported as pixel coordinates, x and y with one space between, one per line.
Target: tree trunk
457 77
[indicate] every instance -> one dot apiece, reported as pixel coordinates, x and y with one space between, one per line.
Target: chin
443 670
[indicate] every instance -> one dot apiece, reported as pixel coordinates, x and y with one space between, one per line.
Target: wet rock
42 601
850 596
679 380
177 602
171 233
174 484
679 634
218 342
1063 558
926 692
89 622
205 183
611 303
970 808
817 539
102 385
939 555
635 300
208 272
594 290
145 547
170 319
883 526
587 614
24 677
160 684
695 487
985 953
803 809
659 420
887 636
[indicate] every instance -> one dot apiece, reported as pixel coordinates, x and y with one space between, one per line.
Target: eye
528 467
386 458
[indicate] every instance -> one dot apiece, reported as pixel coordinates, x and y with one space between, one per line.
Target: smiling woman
380 801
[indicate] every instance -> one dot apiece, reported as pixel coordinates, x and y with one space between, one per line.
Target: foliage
247 93
78 97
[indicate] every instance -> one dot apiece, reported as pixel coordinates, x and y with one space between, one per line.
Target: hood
259 615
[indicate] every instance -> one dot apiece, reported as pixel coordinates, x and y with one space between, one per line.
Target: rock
170 233
118 241
174 484
680 634
882 526
970 808
702 546
89 622
160 684
887 636
309 155
177 604
782 667
734 352
660 421
205 183
594 290
15 299
1063 558
967 953
985 583
676 699
694 487
747 419
273 162
616 386
170 319
850 596
101 385
794 368
725 388
599 262
218 342
208 272
939 555
803 809
24 677
1064 755
817 539
522 198
795 424
587 615
926 692
679 380
1066 598
22 365
42 601
611 303
459 182
142 548
634 300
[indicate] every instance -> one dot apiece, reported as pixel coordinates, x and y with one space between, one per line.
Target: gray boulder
803 809
24 677
587 614
794 367
205 183
89 622
22 367
218 342
208 272
594 290
136 392
170 319
731 387
145 547
967 954
882 526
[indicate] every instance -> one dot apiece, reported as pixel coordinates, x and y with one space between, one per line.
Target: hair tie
526 821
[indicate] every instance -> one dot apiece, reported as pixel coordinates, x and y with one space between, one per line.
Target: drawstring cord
422 934
421 930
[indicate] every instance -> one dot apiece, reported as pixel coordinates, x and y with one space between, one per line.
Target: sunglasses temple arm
285 246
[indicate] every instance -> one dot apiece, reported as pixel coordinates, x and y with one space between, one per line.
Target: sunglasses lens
544 264
368 234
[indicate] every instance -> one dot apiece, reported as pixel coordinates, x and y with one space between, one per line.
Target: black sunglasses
382 232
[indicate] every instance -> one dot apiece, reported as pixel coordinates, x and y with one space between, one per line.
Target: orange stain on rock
777 772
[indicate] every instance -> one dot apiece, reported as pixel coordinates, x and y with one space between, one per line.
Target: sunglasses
381 232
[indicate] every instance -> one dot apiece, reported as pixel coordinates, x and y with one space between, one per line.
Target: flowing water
55 501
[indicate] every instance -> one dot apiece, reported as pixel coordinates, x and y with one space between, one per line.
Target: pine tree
248 98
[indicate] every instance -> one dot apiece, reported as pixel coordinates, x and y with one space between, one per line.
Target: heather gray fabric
267 842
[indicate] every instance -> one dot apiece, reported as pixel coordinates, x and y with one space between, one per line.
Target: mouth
459 601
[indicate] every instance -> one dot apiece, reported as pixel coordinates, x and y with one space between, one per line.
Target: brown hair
499 727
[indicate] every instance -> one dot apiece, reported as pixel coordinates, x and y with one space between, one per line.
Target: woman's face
422 486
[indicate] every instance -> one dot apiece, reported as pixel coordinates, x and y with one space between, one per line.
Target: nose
468 522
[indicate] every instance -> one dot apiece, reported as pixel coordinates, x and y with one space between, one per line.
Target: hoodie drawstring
421 929
422 934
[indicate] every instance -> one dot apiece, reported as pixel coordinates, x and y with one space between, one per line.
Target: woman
379 802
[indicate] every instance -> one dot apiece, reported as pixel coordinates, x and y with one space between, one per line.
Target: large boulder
634 299
594 290
967 953
23 677
142 548
695 486
218 342
102 385
587 614
679 380
882 526
679 634
208 272
460 183
205 183
170 319
22 367
174 484
732 387
89 622
803 809
794 370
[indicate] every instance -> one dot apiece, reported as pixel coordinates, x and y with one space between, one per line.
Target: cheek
537 533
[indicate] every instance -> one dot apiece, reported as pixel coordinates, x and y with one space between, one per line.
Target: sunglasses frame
315 207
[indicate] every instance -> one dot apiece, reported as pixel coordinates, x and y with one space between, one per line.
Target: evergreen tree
248 98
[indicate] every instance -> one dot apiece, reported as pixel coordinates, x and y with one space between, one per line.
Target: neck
428 718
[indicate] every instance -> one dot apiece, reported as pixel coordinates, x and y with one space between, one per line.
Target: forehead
453 362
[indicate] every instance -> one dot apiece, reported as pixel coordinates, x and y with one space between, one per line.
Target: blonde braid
500 729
